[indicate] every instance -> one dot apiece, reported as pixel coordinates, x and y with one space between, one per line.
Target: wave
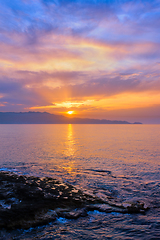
102 172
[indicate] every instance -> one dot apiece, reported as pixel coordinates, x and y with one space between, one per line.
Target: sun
70 112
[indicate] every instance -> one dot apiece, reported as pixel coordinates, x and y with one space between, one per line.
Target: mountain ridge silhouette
48 118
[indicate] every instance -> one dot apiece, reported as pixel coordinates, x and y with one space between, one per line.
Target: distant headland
48 118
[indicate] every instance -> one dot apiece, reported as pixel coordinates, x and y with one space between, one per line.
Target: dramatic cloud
96 57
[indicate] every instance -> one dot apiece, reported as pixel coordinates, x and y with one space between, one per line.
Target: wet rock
72 214
105 208
26 201
31 201
135 207
101 207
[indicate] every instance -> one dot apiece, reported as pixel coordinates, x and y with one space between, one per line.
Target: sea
117 161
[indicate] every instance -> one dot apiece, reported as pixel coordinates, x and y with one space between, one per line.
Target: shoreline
28 201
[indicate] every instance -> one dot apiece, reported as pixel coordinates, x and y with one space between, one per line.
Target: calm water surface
118 161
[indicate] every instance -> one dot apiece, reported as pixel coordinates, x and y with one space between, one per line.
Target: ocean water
117 161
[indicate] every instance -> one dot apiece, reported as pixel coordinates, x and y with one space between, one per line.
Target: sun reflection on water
69 150
70 143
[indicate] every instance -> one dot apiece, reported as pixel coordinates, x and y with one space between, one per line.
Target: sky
97 58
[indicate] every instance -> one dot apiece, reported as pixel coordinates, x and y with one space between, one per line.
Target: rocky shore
32 201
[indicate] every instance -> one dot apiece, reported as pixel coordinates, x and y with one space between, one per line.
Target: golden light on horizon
70 112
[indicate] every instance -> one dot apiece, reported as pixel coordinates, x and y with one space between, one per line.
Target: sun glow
70 112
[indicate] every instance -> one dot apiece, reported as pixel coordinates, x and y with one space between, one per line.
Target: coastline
28 201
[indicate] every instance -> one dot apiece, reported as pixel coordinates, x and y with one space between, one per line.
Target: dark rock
31 201
73 214
25 201
135 207
100 207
